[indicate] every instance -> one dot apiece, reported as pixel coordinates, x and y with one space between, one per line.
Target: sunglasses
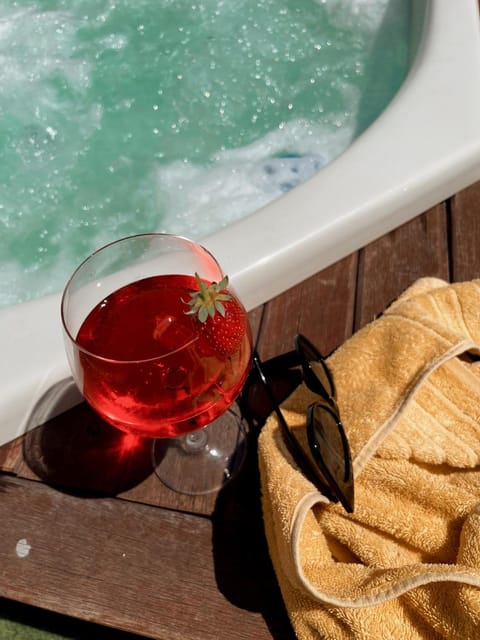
329 467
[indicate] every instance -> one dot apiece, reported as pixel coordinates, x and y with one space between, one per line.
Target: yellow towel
406 563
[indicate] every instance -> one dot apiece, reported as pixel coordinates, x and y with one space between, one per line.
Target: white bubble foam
201 199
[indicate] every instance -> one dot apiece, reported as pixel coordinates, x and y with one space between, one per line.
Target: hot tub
423 148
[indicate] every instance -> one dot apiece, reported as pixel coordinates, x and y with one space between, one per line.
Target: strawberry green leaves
209 299
222 318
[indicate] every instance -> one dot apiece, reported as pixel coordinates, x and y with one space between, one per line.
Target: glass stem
195 442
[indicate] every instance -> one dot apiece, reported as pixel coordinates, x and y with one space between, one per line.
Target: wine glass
160 347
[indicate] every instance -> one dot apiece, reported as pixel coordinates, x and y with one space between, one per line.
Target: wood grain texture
321 307
465 234
392 263
142 569
79 451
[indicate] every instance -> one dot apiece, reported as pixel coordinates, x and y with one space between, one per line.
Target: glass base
205 460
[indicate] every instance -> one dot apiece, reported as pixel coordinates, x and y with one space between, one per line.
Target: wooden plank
77 450
255 318
465 234
321 307
392 263
145 570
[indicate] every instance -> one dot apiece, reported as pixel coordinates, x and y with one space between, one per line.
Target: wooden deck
108 543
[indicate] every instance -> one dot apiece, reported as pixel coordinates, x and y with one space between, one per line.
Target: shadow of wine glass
243 569
66 444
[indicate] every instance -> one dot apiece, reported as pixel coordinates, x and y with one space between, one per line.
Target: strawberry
223 320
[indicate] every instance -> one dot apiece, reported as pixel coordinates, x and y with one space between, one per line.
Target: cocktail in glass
160 347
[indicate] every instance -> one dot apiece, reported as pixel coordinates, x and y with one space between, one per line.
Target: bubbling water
130 116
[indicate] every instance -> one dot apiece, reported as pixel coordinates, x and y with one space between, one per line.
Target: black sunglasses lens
317 375
322 374
309 351
330 448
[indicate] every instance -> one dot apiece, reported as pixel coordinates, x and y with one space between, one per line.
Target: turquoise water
127 116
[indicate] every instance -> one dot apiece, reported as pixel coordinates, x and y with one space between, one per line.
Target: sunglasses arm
295 449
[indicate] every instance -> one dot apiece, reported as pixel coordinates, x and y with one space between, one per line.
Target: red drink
147 367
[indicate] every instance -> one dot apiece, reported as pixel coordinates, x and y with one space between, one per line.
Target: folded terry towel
406 563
